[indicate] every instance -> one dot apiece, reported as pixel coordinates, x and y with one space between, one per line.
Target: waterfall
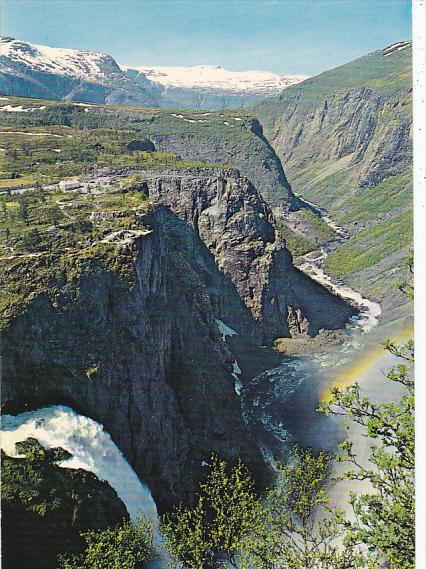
91 446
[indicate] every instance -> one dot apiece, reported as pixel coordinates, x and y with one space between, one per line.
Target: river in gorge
280 405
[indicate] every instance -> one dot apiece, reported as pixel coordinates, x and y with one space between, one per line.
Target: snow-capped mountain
30 70
87 65
210 77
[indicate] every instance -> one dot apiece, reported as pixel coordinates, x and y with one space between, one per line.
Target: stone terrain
143 355
237 226
345 141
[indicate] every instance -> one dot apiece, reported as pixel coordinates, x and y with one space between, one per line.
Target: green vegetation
384 518
371 245
321 230
312 225
361 205
293 526
328 189
46 507
227 511
377 71
122 547
373 204
50 238
296 243
46 155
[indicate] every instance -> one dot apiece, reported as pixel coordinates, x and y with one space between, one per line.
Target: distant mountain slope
345 141
209 86
30 70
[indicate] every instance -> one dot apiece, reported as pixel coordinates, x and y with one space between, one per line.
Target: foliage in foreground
293 526
301 529
122 547
385 517
228 510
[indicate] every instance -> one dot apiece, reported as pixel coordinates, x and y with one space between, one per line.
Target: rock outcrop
45 507
238 227
143 354
145 358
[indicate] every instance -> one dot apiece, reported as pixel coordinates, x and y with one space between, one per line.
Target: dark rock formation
144 145
237 225
46 507
162 387
162 384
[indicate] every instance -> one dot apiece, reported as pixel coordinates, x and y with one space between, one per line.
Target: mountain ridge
33 70
344 138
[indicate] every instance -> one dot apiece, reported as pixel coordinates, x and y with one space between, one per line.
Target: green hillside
383 71
345 142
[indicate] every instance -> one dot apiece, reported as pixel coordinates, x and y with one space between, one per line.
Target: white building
71 184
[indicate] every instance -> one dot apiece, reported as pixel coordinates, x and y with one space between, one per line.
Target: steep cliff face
246 149
237 226
369 133
145 359
345 141
140 350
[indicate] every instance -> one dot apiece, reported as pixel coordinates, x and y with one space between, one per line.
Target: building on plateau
71 184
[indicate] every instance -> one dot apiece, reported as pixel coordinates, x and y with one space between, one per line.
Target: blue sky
285 36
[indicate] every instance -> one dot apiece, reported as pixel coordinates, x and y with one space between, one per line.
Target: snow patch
396 47
236 371
60 61
20 109
214 77
32 133
225 330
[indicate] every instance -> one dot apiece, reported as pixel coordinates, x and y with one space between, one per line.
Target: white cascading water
369 310
91 446
312 266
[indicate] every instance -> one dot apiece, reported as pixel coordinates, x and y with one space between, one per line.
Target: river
279 405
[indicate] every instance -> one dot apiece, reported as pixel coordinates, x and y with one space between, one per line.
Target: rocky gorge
137 355
148 297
